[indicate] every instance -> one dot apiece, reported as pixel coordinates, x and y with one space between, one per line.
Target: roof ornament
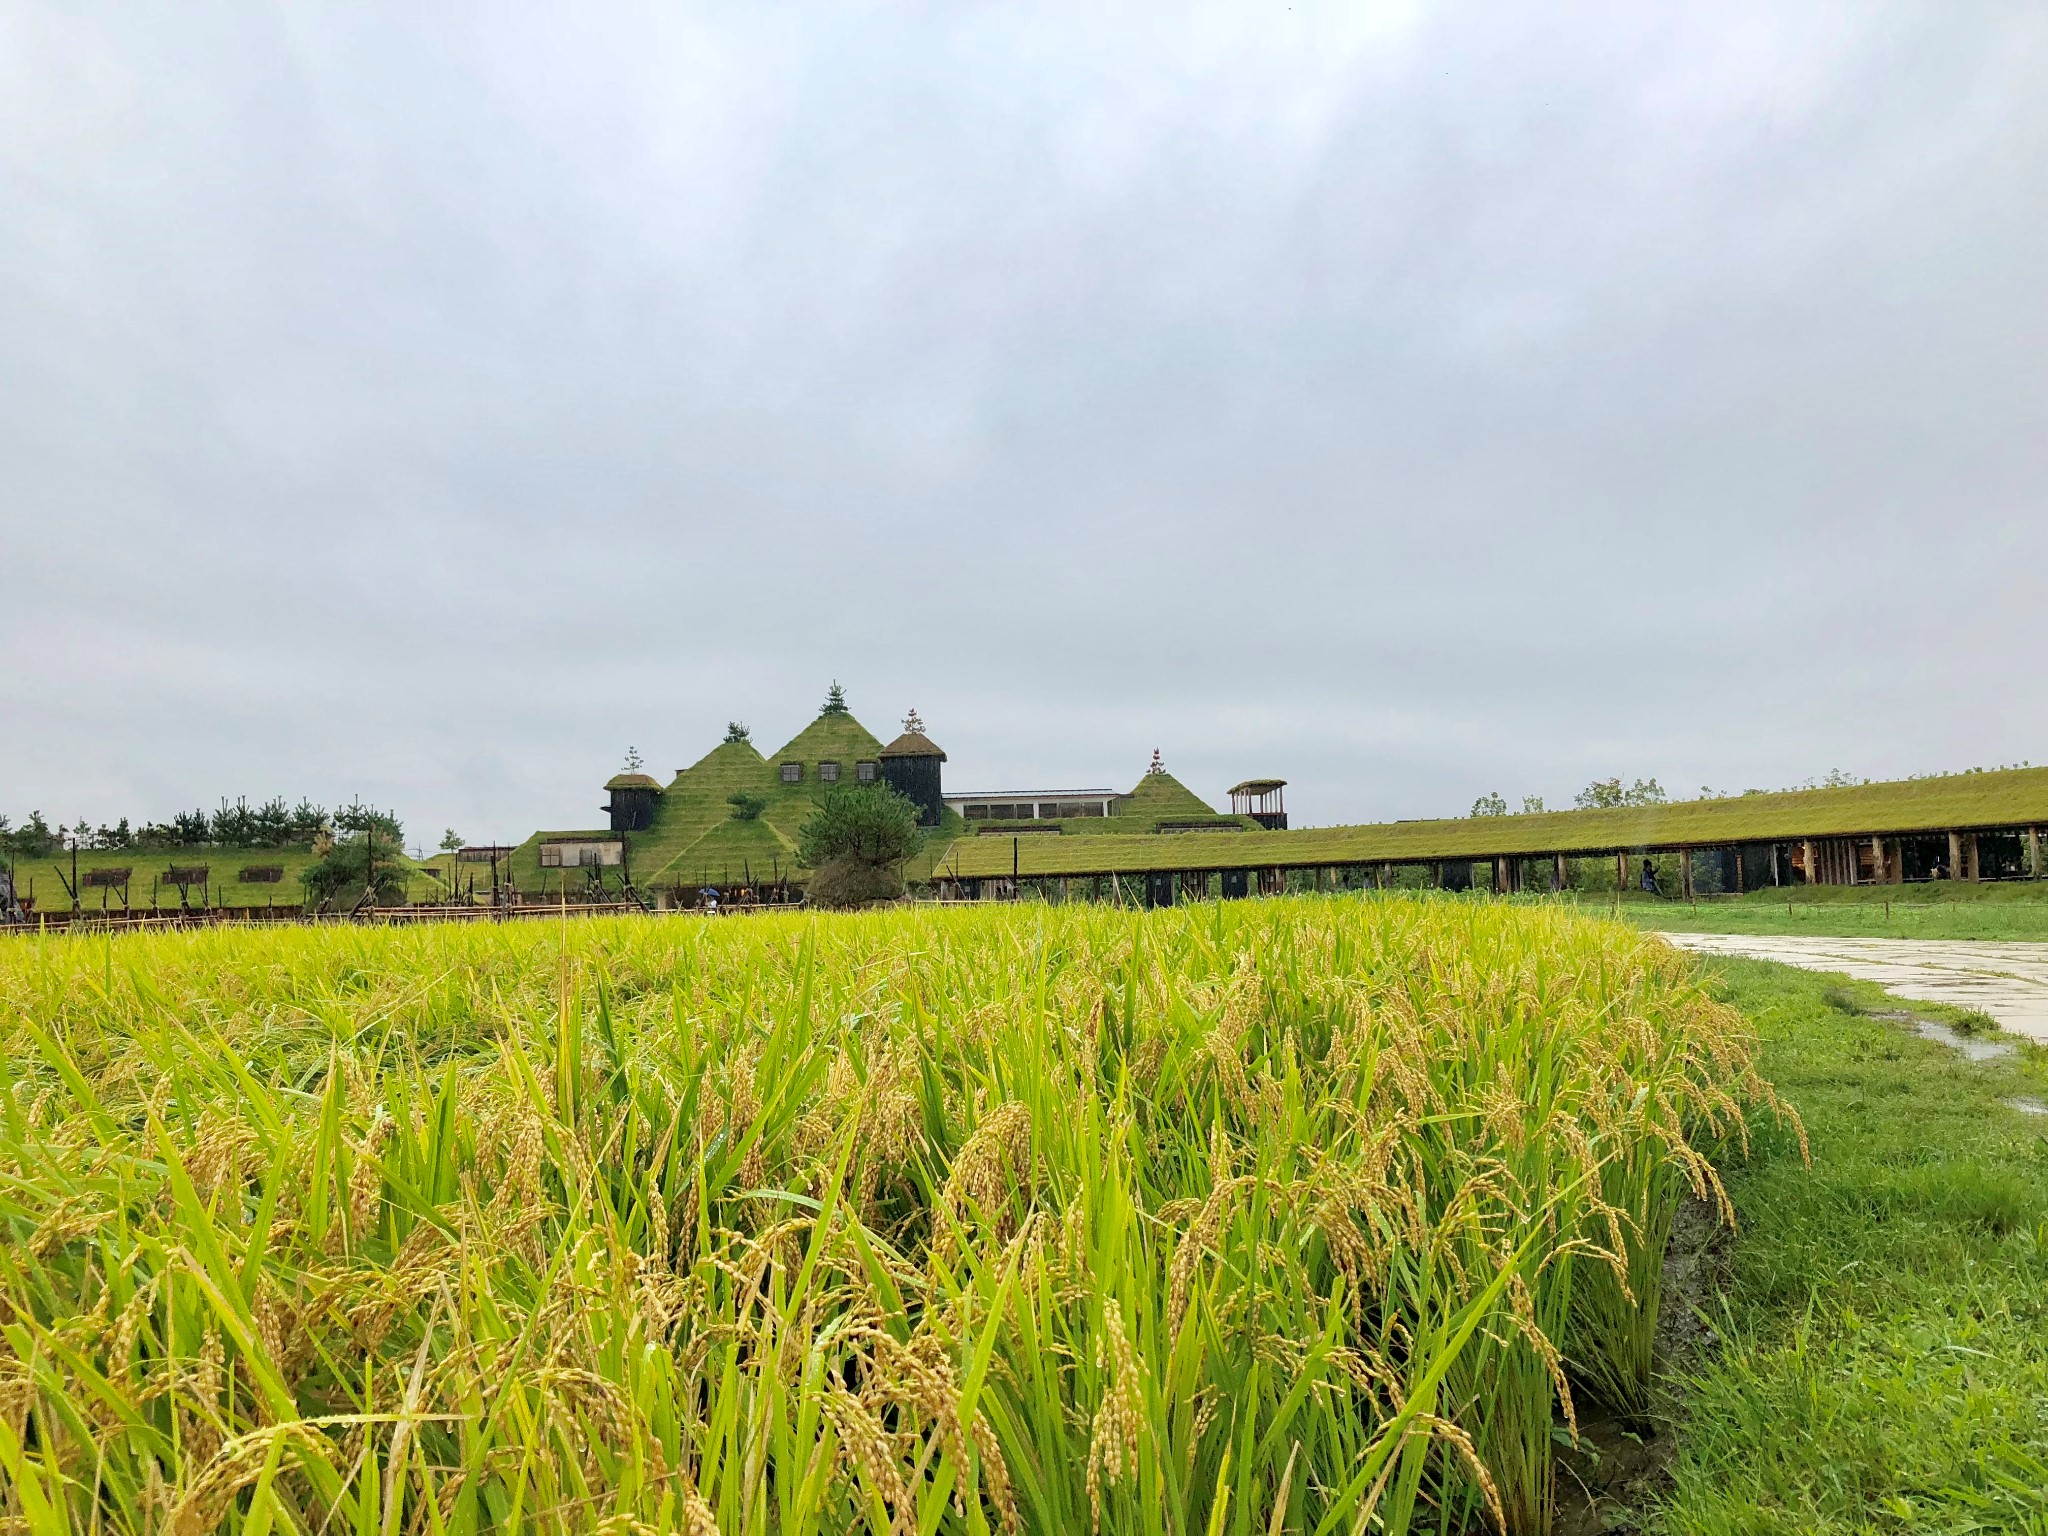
1158 762
911 724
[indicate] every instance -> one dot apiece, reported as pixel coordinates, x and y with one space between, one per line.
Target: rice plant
1305 1215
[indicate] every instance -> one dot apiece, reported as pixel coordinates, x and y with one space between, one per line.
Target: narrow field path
2009 981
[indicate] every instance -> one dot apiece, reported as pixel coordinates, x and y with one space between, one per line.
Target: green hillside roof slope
730 852
1162 797
830 738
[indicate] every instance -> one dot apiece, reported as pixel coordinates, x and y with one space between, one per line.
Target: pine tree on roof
633 760
736 730
1158 762
912 726
835 700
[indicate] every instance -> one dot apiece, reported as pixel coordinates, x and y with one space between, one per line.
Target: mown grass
1298 1215
2009 910
1883 1363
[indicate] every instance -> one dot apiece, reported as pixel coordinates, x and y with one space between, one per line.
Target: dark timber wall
916 779
632 810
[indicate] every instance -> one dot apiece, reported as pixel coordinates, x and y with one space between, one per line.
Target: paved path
2007 981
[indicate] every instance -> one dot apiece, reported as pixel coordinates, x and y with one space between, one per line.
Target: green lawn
1937 910
1883 1354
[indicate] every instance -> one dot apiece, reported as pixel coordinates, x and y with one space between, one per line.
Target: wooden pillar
1386 877
1955 856
2034 852
1685 873
1972 865
1877 860
1620 873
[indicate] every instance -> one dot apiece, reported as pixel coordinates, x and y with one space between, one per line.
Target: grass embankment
45 880
1939 909
1883 1364
1231 1219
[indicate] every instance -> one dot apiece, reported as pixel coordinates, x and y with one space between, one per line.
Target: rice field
1302 1215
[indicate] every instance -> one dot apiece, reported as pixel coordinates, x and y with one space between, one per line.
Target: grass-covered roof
2011 798
913 744
1161 797
836 738
633 781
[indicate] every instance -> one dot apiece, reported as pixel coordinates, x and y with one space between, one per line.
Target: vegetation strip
1287 1215
1883 1354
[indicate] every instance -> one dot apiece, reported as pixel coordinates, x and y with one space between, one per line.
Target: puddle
2028 1106
1973 1047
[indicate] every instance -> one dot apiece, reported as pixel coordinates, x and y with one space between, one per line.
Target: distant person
1650 878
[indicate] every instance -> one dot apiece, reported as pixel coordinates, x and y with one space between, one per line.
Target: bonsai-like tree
451 841
746 805
736 730
368 859
855 843
835 700
633 760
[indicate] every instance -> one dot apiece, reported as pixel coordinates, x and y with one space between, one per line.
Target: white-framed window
865 772
792 773
828 773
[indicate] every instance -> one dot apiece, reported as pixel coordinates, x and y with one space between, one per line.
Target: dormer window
792 773
828 773
865 772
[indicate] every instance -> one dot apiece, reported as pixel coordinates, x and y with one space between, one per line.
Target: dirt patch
1604 1481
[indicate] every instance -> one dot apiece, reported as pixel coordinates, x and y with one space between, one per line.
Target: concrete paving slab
2009 981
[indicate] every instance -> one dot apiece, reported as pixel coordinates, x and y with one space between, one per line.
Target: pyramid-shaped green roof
1162 796
830 738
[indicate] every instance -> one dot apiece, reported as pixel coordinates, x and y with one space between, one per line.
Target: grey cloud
1410 401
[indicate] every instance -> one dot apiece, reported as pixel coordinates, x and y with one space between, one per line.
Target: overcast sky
427 403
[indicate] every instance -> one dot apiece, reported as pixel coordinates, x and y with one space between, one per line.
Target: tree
36 839
633 760
309 822
1532 805
835 700
365 859
736 730
451 841
746 805
855 843
357 817
1607 794
273 823
1490 805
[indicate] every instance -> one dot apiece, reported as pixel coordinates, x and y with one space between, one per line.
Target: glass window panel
829 772
792 773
